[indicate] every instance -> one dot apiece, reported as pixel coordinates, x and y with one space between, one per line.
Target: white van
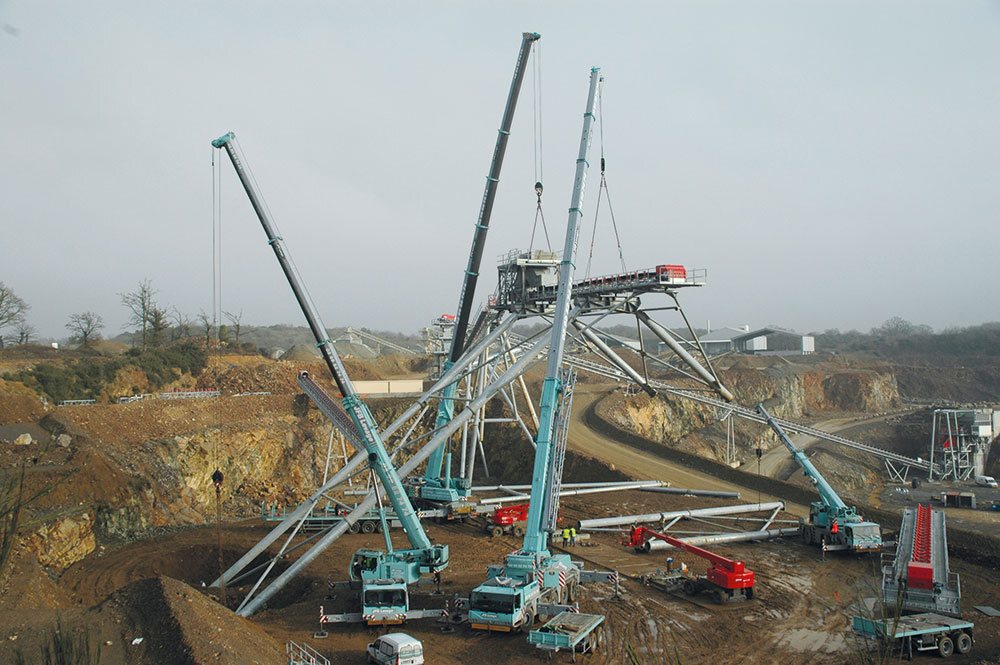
397 649
986 481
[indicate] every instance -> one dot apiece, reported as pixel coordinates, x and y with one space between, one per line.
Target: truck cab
384 602
503 604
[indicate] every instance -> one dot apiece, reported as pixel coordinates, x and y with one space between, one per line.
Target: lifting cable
217 476
536 121
603 191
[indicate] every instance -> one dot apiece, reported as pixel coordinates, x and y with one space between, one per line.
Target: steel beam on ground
626 484
714 539
692 492
565 493
627 520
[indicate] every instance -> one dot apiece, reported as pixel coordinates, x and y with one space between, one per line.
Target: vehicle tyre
806 535
690 587
571 592
721 597
963 643
354 528
496 531
518 531
748 593
945 646
378 527
368 526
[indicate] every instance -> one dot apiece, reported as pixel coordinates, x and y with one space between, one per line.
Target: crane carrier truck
832 523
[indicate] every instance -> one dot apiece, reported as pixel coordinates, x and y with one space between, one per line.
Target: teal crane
435 488
383 576
832 523
533 581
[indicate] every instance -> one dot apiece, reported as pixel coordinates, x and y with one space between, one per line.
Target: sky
831 164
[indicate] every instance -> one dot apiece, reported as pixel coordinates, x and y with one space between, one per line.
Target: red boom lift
725 578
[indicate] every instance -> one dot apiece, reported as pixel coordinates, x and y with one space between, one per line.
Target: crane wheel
519 531
690 588
571 592
496 531
963 643
368 527
354 528
945 646
721 597
748 593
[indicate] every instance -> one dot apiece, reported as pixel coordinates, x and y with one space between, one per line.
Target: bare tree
12 309
86 328
205 322
140 304
25 331
235 321
182 324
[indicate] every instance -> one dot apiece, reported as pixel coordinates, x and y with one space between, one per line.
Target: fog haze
832 164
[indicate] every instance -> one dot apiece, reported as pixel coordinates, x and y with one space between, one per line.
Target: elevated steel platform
918 578
528 280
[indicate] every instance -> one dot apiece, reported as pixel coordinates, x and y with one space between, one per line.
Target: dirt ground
153 590
799 615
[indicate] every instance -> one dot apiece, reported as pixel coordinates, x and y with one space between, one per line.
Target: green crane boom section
446 408
360 414
535 536
827 494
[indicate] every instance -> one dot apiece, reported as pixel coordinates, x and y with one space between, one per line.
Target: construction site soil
141 598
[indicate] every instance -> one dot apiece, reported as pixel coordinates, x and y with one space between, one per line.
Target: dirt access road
777 462
641 465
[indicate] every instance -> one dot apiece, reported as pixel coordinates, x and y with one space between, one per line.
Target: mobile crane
533 581
383 576
433 489
832 523
725 579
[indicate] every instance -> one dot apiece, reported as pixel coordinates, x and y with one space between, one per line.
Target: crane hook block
217 478
539 189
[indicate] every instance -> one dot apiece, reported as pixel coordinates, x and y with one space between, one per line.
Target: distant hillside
285 336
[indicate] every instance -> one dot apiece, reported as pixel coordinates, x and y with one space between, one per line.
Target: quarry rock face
788 394
63 542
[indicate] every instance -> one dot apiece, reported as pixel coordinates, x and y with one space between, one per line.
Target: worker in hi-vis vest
565 536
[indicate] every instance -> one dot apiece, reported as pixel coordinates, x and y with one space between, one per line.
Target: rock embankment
788 393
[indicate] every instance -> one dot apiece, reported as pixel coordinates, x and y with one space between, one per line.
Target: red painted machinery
725 578
508 520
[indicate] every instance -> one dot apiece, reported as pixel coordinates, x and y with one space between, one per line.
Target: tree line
153 325
897 336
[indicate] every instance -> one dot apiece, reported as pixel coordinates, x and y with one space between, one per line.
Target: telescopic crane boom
435 487
533 581
370 567
832 523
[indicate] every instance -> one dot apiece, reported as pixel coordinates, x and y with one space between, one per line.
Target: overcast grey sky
831 164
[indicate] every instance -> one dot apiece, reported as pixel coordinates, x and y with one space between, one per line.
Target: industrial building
774 342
